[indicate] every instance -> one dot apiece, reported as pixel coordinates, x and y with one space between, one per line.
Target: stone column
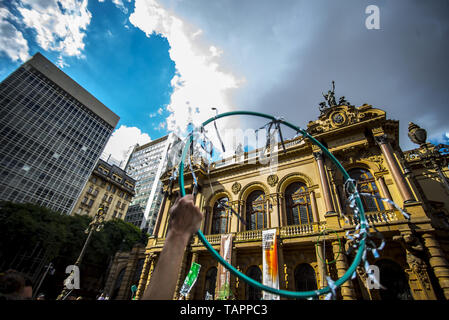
153 260
347 289
281 272
437 261
316 217
282 213
143 277
385 192
275 222
395 170
208 220
243 215
159 215
319 250
232 278
324 182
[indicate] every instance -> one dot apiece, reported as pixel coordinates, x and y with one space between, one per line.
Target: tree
24 226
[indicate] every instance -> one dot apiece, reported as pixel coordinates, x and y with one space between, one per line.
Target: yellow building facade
108 187
304 200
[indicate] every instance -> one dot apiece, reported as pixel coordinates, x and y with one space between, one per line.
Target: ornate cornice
343 116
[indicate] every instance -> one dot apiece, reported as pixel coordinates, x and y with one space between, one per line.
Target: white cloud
161 126
200 83
122 140
12 42
60 25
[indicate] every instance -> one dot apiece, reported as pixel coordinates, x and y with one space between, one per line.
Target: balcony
386 216
213 238
250 235
300 230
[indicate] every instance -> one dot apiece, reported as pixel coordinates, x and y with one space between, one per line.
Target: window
251 292
209 288
220 217
256 217
393 277
297 204
367 184
305 279
90 202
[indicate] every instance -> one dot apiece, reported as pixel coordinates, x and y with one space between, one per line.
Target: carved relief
333 117
414 250
236 187
272 180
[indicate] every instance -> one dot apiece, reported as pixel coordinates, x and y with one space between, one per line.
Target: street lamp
96 225
429 153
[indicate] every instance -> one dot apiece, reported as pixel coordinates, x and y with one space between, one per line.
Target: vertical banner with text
223 286
270 263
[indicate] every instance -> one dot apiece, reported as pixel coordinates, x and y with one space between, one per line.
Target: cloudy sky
161 63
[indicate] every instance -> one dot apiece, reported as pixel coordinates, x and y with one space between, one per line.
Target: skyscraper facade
146 165
52 132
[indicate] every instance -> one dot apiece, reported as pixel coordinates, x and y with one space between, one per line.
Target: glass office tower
52 132
146 165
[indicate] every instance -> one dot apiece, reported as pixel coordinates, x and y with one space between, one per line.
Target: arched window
209 288
251 292
219 218
256 216
305 279
393 278
298 206
367 184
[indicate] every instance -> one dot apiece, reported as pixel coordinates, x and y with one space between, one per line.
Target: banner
270 274
224 285
190 279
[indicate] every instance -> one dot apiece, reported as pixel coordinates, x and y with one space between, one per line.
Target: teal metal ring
237 273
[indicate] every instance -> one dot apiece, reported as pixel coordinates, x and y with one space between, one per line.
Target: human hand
185 218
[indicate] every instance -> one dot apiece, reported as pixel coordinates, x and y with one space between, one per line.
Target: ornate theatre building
303 202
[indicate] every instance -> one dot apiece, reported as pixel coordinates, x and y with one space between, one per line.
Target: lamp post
430 154
96 225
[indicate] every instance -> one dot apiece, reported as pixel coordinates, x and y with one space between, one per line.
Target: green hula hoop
245 278
339 244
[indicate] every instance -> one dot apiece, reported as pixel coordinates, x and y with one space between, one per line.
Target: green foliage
22 226
225 293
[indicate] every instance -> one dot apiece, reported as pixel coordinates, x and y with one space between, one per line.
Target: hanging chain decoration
276 125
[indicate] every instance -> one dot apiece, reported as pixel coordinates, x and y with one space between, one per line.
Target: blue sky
126 70
159 64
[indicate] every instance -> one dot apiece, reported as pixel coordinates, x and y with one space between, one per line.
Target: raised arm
185 220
